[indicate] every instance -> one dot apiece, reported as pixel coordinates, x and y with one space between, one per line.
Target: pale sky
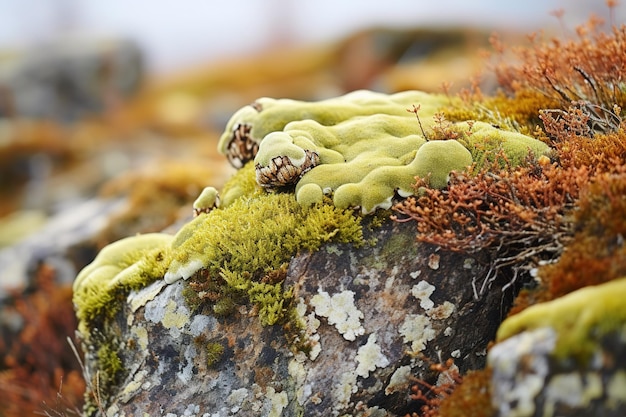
175 34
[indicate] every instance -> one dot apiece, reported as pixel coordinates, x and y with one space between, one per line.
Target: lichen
127 264
340 311
417 330
369 357
422 291
363 148
579 318
249 237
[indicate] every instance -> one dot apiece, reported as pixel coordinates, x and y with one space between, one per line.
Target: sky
176 34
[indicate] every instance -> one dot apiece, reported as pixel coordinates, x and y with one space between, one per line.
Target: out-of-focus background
110 114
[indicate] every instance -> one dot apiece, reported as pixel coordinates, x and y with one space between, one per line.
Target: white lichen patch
399 380
202 324
572 389
311 324
616 389
442 311
369 357
520 366
340 311
422 291
185 373
143 296
133 386
342 391
416 330
175 317
140 335
298 373
236 398
275 401
191 410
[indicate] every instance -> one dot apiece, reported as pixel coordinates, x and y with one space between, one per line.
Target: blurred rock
66 241
66 79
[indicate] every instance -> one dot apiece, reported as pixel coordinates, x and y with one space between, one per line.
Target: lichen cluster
363 149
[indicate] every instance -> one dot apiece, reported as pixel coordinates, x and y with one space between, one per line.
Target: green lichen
130 263
368 148
207 200
269 115
580 318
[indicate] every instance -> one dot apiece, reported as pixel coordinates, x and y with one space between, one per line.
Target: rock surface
372 317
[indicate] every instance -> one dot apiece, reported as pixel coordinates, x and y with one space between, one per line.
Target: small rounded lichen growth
120 267
579 317
364 148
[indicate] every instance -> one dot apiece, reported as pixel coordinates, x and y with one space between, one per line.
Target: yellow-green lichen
580 318
269 115
365 148
120 267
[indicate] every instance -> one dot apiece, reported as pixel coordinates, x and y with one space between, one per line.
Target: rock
68 78
275 307
63 241
365 321
565 357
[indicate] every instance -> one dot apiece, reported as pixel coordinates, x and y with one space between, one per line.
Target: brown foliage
514 216
39 370
454 394
590 67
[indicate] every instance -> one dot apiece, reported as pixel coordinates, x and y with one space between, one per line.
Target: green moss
254 235
580 318
214 352
130 263
242 183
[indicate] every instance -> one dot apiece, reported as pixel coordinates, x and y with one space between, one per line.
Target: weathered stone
366 321
528 380
564 357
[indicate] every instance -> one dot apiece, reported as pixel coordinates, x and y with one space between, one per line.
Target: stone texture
530 380
371 318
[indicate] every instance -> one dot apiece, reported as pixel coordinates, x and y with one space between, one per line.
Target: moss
579 318
214 352
471 398
110 365
255 234
514 113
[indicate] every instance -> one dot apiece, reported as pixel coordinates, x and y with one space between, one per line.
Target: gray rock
371 319
65 79
58 243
